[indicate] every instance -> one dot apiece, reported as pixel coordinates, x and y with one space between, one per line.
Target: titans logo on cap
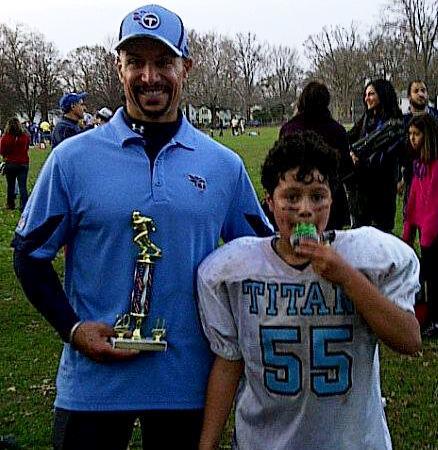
148 19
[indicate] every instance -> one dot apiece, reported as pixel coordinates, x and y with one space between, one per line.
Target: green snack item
303 231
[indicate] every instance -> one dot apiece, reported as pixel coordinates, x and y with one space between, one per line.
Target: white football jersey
311 378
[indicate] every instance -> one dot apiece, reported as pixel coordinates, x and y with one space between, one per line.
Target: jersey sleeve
245 216
401 283
216 315
44 225
392 266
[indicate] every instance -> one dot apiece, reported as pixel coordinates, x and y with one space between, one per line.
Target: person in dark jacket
373 186
72 105
313 114
14 147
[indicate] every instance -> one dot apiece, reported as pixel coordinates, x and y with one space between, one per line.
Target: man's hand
91 339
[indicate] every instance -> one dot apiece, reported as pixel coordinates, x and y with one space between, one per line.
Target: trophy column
128 326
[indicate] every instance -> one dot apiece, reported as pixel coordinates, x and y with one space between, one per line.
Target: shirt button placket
158 180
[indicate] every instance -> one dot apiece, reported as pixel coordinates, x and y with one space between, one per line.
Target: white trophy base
142 345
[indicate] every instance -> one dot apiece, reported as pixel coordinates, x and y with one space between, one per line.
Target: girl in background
14 147
422 209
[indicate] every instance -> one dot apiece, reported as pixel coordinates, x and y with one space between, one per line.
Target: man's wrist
73 331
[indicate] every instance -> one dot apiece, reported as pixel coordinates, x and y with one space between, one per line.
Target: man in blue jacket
73 108
151 159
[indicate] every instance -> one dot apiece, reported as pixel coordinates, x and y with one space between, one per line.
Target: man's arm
397 328
43 288
222 385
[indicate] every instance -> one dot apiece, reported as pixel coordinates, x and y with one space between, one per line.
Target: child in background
295 325
422 209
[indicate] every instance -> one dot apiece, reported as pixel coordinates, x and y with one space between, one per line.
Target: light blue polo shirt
197 193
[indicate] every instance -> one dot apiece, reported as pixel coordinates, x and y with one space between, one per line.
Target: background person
234 126
373 186
241 126
103 116
87 122
422 210
313 114
147 158
35 135
46 130
418 105
296 328
73 108
418 96
14 147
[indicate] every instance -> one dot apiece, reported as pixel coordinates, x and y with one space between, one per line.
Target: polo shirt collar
186 136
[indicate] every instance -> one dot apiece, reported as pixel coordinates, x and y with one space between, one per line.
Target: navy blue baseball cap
69 99
155 22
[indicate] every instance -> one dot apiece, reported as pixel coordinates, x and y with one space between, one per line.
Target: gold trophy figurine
140 297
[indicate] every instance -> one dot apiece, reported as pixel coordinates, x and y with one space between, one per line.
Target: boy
295 327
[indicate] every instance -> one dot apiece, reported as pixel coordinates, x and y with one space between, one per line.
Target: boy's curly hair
307 151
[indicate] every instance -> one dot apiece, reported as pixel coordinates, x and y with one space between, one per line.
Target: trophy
131 323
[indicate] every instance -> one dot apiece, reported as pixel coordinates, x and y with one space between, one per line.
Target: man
147 158
73 108
419 100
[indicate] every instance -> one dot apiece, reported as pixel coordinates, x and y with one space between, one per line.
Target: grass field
29 348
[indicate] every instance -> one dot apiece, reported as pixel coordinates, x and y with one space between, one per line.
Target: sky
70 24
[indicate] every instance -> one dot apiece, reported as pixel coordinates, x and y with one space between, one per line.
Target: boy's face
295 202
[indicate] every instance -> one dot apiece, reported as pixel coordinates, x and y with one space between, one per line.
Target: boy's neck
285 251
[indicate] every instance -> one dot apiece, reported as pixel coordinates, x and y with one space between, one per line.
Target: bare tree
281 79
7 93
418 20
92 69
47 63
31 65
107 89
338 59
249 57
210 82
386 54
79 69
